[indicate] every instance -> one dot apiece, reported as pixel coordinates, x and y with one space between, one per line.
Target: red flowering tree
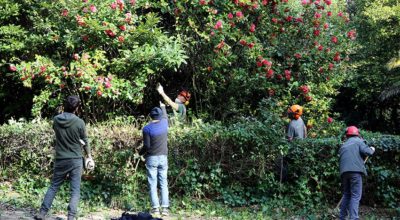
293 52
105 51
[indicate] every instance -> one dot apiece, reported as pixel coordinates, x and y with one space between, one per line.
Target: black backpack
139 216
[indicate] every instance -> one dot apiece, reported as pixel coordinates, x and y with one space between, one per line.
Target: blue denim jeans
157 168
62 168
352 191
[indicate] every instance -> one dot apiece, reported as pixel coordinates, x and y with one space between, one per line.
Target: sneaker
165 211
155 211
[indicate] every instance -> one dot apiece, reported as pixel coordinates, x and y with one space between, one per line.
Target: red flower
42 69
317 15
279 77
270 73
331 65
304 2
122 28
321 70
340 14
121 39
239 14
221 44
352 34
328 2
218 25
87 88
133 2
316 32
289 18
326 26
264 2
334 39
304 89
252 28
300 20
12 68
329 13
266 63
320 47
64 12
329 120
259 64
274 20
336 57
297 55
250 45
230 16
99 93
93 8
287 74
110 33
308 98
243 42
202 2
113 5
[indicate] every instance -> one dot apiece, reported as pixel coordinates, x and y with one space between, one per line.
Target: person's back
351 169
69 129
155 138
296 129
351 154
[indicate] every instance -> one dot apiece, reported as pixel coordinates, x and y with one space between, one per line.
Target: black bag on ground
139 216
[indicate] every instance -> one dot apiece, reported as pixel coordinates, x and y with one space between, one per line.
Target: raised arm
160 90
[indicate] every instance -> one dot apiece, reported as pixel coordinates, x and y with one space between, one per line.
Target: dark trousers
62 168
352 191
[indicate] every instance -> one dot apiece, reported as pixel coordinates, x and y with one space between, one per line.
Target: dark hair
71 103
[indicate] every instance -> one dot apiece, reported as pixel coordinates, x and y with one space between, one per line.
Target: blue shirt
155 136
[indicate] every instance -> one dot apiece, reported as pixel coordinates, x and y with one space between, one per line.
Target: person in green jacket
69 131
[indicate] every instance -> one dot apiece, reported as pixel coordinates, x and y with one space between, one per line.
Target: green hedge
235 163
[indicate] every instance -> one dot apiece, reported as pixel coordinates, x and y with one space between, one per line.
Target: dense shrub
234 163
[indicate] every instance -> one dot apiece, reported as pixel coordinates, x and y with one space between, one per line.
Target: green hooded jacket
68 129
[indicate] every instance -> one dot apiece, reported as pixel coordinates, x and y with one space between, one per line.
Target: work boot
71 217
165 211
40 216
155 211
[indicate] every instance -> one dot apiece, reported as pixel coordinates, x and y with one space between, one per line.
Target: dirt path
10 213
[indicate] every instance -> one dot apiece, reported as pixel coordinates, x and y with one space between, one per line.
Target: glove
162 104
160 89
89 164
373 149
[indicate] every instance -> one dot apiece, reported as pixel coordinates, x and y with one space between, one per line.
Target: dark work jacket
352 153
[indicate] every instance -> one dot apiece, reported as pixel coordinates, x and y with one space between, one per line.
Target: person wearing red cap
179 106
351 169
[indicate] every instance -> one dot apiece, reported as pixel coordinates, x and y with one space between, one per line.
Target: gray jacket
352 153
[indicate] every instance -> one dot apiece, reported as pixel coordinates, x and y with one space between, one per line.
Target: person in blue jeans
155 137
352 167
69 131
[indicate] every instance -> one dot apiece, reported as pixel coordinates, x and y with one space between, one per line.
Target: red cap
352 131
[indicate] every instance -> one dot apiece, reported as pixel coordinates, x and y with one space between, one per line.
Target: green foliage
369 95
235 164
103 54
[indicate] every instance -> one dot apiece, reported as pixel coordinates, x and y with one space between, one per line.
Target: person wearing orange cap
179 106
296 128
351 169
